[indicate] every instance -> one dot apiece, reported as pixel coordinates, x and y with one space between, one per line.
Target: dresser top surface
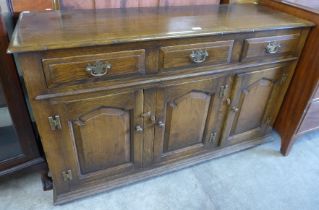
47 30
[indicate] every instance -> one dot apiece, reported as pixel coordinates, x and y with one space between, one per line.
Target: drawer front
184 56
88 68
311 120
270 47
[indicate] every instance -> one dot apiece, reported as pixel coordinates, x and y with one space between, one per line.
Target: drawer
270 47
94 67
311 120
184 56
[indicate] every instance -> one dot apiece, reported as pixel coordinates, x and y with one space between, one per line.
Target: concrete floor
256 179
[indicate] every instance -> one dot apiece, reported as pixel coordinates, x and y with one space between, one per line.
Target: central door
187 118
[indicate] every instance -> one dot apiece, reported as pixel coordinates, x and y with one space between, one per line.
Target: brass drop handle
99 68
161 124
198 56
139 128
273 47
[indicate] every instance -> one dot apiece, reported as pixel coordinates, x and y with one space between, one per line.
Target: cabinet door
188 118
254 104
102 135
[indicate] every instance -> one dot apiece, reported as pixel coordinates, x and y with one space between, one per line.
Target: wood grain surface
57 30
115 131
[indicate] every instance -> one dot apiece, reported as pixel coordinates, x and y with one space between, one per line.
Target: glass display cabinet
19 146
9 144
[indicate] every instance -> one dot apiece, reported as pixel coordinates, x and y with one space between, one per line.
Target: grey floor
256 179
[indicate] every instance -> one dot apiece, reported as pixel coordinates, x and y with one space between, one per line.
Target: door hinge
212 137
55 122
67 175
222 90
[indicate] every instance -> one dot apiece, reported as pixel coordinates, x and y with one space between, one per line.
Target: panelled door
188 117
253 106
102 135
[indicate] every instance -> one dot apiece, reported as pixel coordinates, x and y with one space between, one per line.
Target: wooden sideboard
117 102
300 111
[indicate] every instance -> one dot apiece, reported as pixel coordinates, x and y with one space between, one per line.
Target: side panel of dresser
52 141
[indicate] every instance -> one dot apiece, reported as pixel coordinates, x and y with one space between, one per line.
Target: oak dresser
122 95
